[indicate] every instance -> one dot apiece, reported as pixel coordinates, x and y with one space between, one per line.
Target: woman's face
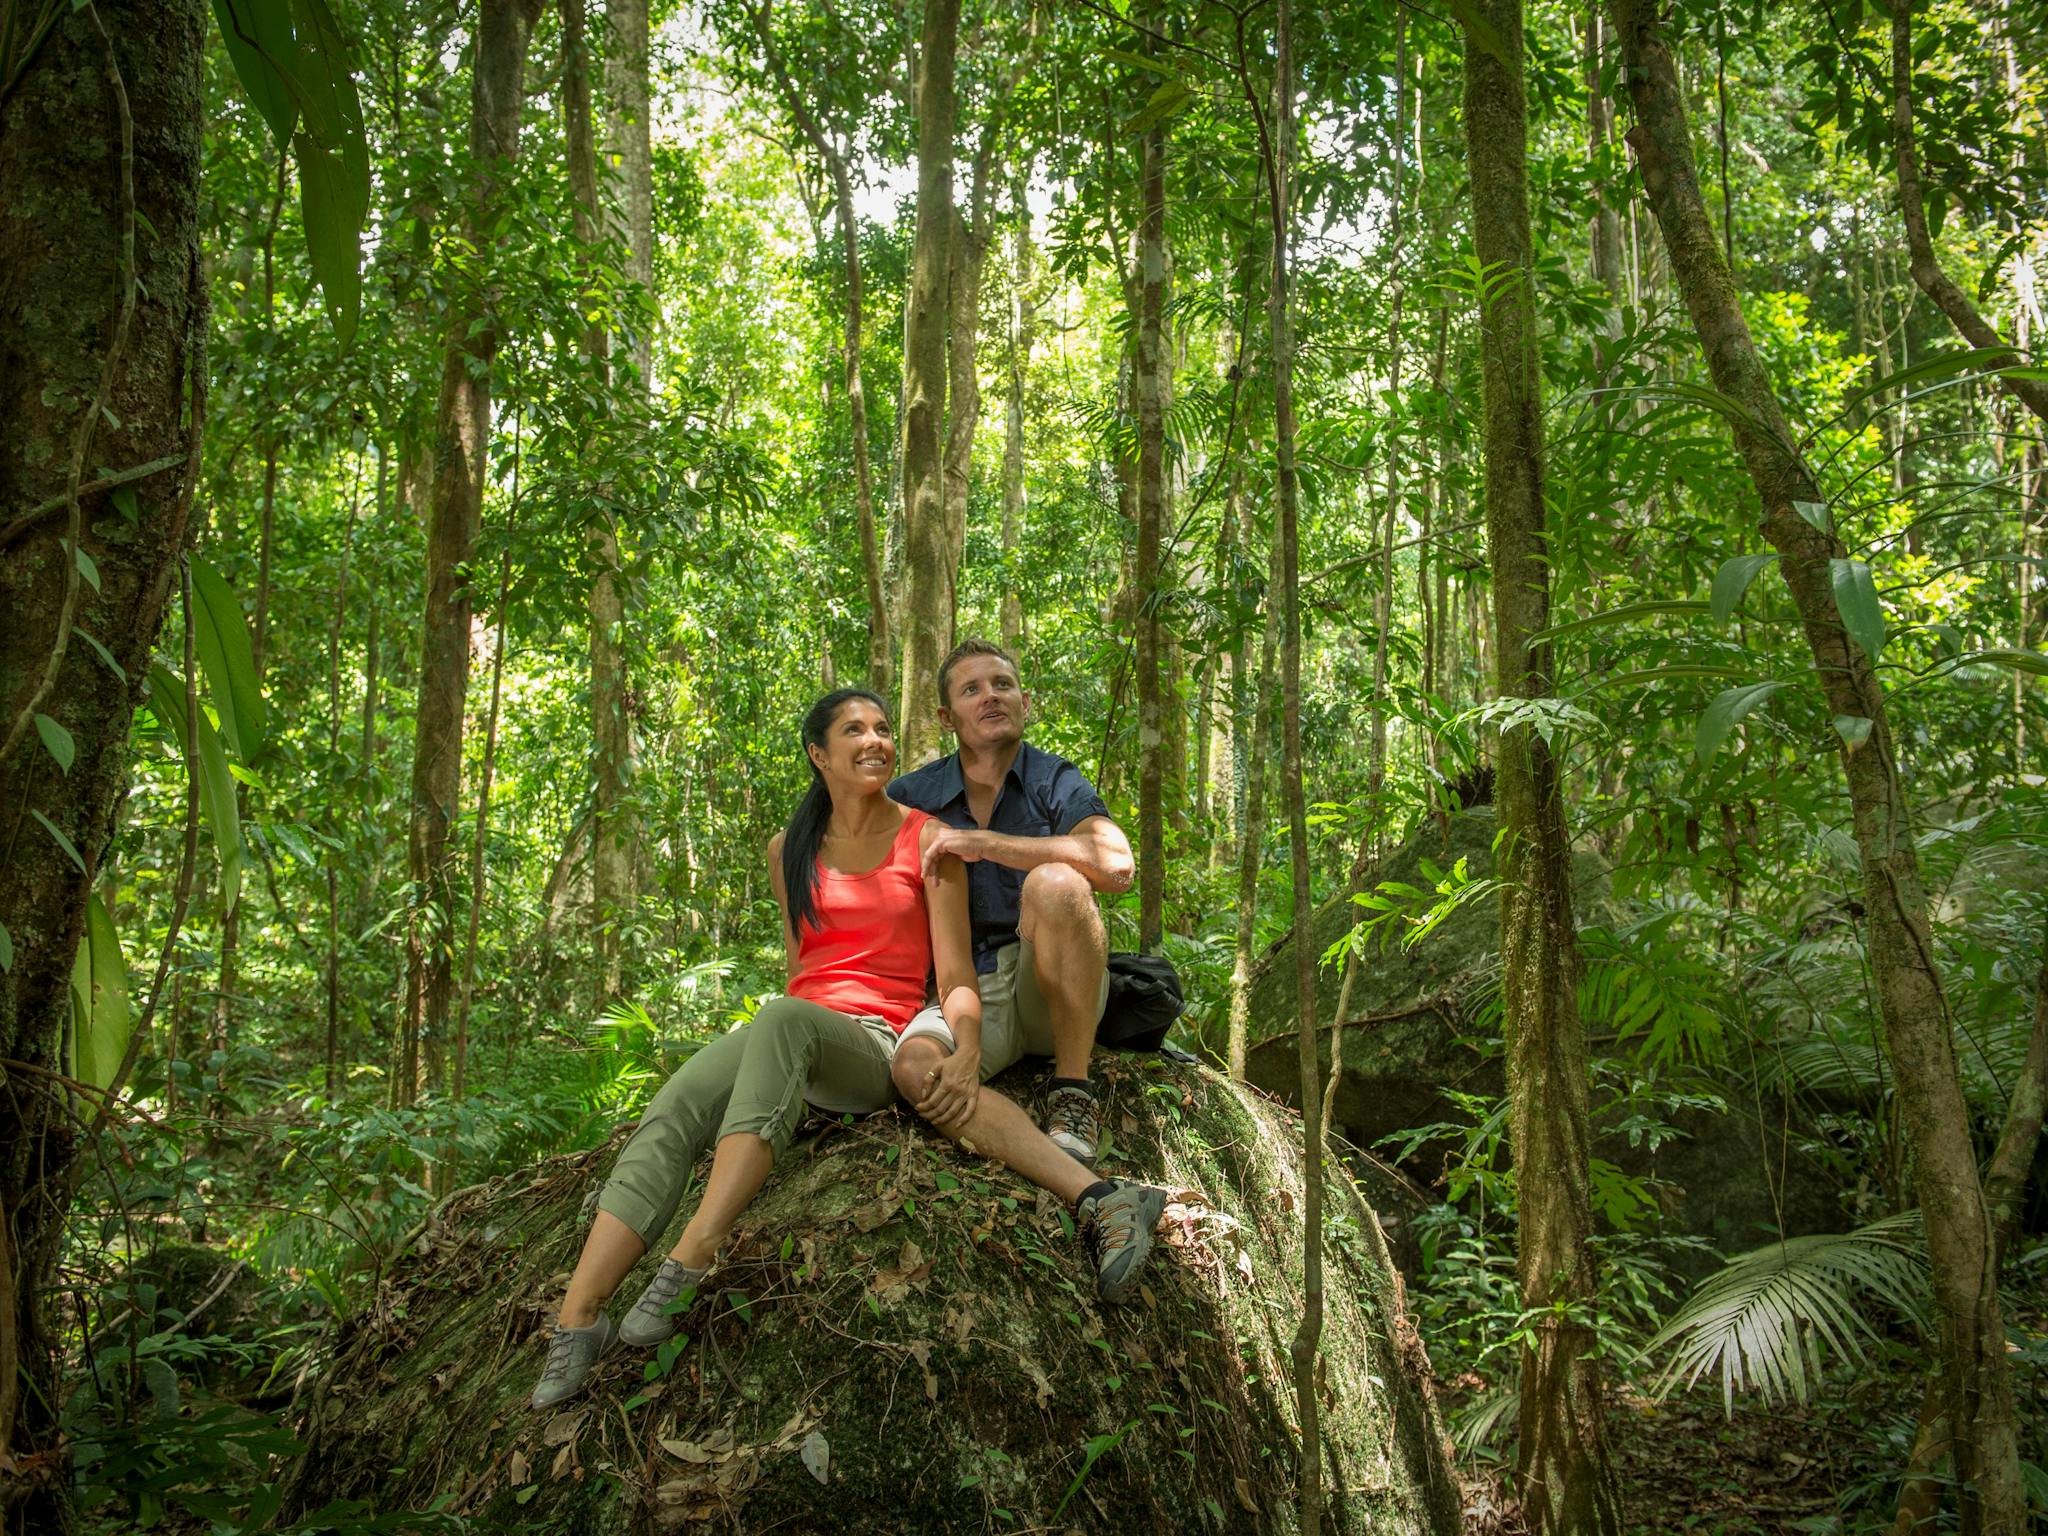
860 750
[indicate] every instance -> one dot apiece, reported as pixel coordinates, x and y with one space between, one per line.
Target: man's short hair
972 646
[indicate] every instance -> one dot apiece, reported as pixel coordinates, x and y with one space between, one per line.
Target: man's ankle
1081 1083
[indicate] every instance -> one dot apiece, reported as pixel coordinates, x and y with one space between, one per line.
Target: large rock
929 1319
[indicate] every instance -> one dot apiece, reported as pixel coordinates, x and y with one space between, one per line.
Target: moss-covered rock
929 1318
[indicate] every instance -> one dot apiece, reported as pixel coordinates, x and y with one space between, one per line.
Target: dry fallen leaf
565 1459
563 1427
1244 1497
817 1456
522 1470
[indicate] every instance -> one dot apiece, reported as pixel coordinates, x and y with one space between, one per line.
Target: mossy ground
931 1317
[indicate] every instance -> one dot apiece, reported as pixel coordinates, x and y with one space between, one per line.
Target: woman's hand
951 1089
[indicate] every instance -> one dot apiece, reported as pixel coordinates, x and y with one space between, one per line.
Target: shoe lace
1074 1113
1106 1236
559 1347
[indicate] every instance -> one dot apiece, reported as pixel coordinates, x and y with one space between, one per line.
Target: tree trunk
928 592
964 248
1383 599
102 337
1606 231
1151 369
1567 1481
1023 316
1252 818
1972 1367
611 725
1934 282
630 147
335 855
455 505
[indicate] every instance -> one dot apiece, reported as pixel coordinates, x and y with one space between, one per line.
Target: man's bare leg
997 1128
1070 949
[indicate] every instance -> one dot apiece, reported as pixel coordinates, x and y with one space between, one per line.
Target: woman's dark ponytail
805 834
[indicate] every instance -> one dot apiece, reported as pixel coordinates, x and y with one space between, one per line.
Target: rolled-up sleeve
1069 799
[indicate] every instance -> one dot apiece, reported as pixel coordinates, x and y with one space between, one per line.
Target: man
1038 844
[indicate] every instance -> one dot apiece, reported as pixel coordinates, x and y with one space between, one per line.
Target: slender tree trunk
1151 368
1947 294
1567 1482
1023 317
1972 1370
928 594
455 504
630 148
335 854
101 305
1252 819
1383 599
1605 235
611 727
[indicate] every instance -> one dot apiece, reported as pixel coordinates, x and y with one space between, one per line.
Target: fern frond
1762 1321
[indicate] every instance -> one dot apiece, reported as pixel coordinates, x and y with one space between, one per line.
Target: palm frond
1762 1322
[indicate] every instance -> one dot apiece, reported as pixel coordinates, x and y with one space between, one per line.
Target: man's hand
966 845
951 1090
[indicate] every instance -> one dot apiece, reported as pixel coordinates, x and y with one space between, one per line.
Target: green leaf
261 46
63 842
1170 99
1627 613
1857 601
1732 580
104 654
216 782
1725 713
1678 669
1853 729
1815 512
221 635
333 202
123 498
6 949
87 569
58 742
99 977
1928 369
1482 32
2017 661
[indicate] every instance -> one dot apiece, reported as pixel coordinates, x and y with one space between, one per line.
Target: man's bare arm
1097 847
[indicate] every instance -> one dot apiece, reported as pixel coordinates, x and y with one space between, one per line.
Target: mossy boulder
926 1321
1412 1035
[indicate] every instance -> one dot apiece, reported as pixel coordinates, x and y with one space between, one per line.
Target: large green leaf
221 635
100 1015
216 782
1857 601
1760 1322
1926 371
333 201
262 47
1732 580
2017 661
1625 614
1725 713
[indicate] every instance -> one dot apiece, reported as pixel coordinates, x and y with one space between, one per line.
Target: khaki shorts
1016 1021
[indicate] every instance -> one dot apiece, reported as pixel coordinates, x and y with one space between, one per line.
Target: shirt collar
953 783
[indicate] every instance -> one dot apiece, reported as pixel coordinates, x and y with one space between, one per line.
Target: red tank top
869 949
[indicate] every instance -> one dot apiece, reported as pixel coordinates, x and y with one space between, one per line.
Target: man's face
986 707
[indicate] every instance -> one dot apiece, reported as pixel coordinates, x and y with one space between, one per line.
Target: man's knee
913 1063
1059 892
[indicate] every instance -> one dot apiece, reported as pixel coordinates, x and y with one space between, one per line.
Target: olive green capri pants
754 1080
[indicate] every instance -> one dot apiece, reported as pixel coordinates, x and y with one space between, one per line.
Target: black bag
1144 999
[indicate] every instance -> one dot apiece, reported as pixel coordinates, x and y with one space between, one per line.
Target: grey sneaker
649 1323
1072 1120
1117 1228
571 1354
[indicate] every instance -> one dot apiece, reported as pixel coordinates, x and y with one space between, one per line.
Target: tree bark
611 726
1023 315
1566 1479
630 147
1383 599
1252 818
928 594
102 336
1947 294
455 505
1151 369
1972 1367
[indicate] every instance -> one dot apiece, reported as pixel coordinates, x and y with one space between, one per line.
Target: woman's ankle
579 1314
693 1252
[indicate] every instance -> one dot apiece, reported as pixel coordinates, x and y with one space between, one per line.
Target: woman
861 932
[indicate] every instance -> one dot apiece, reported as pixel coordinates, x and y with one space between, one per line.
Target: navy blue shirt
1043 795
